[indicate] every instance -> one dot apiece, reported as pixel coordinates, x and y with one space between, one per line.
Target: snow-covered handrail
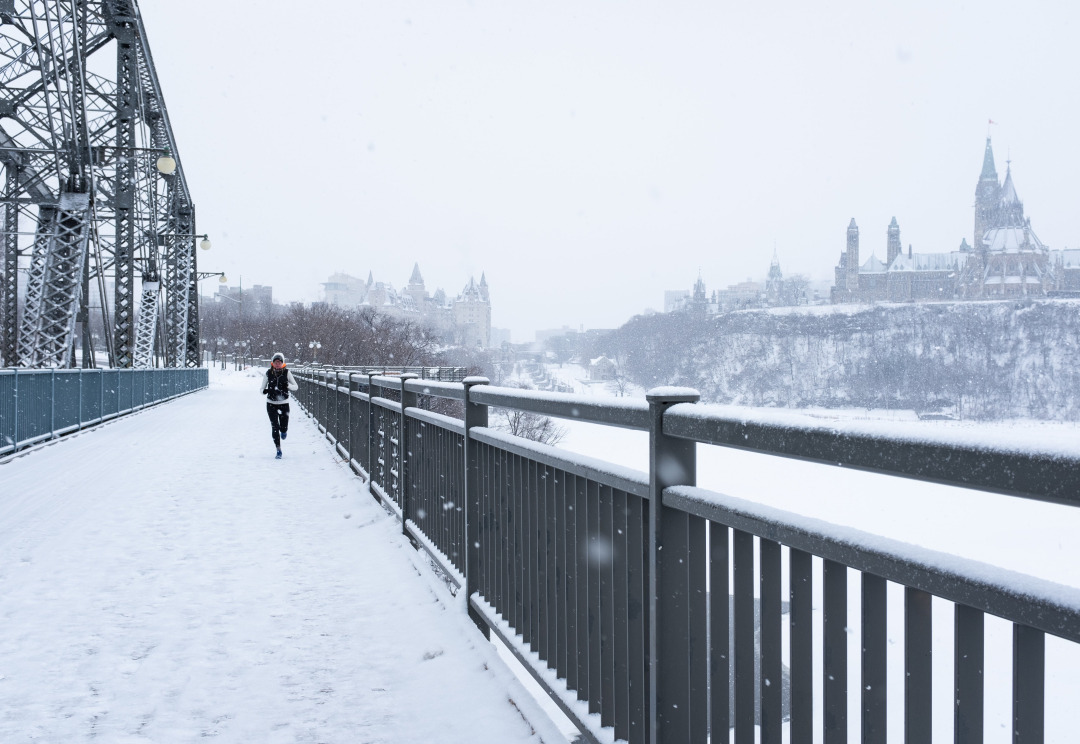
643 605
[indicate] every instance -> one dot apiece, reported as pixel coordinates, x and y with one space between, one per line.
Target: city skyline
589 156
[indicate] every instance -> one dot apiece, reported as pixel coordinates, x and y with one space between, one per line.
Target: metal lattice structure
87 214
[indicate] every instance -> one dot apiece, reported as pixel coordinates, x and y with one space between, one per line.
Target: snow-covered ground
164 579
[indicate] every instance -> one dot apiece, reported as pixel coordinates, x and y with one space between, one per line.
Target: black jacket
277 385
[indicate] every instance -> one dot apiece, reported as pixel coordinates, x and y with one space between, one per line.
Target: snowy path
164 579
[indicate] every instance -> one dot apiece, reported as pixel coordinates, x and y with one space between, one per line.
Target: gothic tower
1011 210
987 197
893 247
852 257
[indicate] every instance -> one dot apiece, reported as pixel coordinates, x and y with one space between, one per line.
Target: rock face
969 360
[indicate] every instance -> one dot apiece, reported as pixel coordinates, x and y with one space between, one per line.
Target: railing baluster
771 685
1028 687
801 589
673 696
637 632
918 666
518 573
834 683
538 561
968 639
719 634
874 644
596 671
605 560
551 606
558 527
570 549
697 651
584 590
620 572
743 620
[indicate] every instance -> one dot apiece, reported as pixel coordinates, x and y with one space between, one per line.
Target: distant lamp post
205 244
223 279
297 345
314 346
166 164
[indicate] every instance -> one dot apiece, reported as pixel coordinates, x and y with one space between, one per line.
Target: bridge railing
36 405
651 610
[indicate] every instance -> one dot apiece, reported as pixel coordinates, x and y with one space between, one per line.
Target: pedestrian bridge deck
165 579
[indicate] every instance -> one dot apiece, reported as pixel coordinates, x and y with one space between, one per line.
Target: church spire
987 197
988 170
416 279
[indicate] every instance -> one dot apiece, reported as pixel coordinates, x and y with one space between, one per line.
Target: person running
276 386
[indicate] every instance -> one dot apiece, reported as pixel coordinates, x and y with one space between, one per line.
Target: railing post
408 399
370 430
476 415
672 462
52 405
15 431
348 422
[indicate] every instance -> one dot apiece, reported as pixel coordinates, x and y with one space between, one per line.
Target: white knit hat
277 355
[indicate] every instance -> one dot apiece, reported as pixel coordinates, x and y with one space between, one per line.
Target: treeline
984 360
345 337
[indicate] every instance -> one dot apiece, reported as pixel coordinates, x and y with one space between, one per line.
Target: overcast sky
589 155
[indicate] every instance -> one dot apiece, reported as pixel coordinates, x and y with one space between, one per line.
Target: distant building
735 297
1006 259
472 315
550 333
344 290
254 299
601 368
499 337
463 320
674 299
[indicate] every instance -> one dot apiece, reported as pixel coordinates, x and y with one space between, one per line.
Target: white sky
589 155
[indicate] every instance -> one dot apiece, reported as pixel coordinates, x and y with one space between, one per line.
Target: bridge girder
86 213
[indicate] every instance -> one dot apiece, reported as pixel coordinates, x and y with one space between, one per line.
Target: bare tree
527 425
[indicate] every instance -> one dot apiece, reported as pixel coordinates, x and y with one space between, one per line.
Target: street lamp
314 346
166 164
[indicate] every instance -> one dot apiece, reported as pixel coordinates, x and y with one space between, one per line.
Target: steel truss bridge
101 234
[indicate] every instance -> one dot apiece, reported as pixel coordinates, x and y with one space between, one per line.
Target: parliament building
1005 259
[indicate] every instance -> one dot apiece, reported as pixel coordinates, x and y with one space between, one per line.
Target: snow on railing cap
476 380
673 394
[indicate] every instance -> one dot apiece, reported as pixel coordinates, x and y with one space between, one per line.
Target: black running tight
279 420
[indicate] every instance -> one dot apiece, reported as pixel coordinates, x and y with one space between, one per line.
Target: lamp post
297 345
314 346
166 164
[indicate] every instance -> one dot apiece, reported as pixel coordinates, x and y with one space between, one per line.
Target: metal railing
633 598
36 405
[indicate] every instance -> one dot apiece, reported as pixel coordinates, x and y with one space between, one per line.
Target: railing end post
672 462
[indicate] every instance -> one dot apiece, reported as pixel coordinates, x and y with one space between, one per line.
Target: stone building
464 320
1006 258
472 315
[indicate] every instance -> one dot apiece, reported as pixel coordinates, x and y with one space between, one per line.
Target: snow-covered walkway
164 579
